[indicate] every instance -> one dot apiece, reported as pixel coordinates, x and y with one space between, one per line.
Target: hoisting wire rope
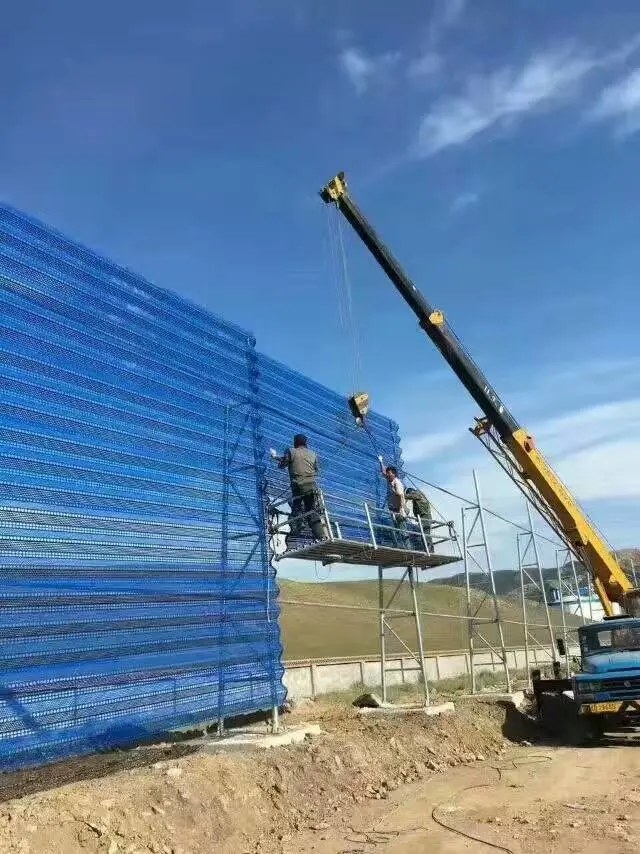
344 292
335 270
349 294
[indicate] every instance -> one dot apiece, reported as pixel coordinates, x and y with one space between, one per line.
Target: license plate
601 708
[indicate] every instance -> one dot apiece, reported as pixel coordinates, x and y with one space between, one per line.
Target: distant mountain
507 581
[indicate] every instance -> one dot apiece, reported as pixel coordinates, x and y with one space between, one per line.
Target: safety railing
296 524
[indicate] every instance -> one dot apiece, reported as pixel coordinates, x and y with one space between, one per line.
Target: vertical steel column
470 630
575 581
564 622
416 612
494 595
224 559
370 523
325 514
523 601
383 650
534 541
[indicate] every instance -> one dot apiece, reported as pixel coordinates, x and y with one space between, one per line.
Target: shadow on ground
561 726
163 748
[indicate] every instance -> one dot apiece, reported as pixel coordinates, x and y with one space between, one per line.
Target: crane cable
344 290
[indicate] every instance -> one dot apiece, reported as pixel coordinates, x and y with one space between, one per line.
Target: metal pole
383 651
525 629
564 622
496 607
371 531
424 539
575 580
467 580
275 720
325 513
423 666
534 541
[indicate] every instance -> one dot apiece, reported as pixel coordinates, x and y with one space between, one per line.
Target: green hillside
507 581
313 631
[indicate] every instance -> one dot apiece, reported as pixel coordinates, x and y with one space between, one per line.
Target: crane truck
606 688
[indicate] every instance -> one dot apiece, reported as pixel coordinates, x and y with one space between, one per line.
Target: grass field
316 631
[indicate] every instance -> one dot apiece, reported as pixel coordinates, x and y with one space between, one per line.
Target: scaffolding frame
530 568
232 468
411 548
475 540
385 626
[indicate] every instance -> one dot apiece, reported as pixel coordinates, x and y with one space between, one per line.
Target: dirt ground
559 800
389 785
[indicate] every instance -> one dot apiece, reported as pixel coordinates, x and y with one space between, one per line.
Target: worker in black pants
302 464
422 511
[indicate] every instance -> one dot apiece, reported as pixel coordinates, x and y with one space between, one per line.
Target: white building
585 604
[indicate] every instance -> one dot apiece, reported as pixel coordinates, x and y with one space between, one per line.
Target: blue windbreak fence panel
136 593
349 469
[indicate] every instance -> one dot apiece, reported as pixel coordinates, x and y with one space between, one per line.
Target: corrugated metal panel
136 593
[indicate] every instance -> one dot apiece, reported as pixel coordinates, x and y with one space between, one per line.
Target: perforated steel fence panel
136 593
348 465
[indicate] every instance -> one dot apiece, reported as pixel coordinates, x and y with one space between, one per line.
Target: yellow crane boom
510 444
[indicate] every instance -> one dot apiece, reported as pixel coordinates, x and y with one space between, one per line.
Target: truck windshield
610 638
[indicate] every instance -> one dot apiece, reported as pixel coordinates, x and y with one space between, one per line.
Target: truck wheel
595 727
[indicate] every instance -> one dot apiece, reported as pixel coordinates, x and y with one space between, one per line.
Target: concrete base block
391 709
440 709
516 698
247 739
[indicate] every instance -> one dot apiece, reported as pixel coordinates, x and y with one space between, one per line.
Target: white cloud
446 15
503 97
427 445
464 201
606 471
452 12
602 424
363 69
425 66
620 103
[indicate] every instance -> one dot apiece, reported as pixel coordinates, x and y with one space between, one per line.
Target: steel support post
523 602
416 614
383 647
485 565
470 615
275 720
494 595
534 542
562 614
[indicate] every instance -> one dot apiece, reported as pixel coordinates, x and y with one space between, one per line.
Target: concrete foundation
516 698
252 739
391 709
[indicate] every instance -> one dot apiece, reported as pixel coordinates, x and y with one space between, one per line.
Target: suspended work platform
357 553
353 532
334 529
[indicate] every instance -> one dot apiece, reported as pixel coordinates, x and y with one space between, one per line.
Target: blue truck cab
607 689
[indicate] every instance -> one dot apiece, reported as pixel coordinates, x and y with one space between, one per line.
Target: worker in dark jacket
302 464
422 511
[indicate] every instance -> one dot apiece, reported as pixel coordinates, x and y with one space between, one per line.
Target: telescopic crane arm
499 431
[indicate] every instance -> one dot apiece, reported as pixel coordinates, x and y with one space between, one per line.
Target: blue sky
495 146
